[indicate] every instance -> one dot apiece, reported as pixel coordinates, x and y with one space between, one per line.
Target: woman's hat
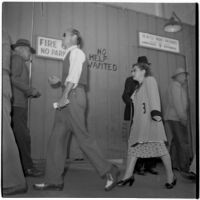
23 42
178 71
143 59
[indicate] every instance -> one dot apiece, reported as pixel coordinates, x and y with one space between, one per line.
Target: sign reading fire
50 48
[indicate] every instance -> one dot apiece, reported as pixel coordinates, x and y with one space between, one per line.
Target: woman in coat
147 136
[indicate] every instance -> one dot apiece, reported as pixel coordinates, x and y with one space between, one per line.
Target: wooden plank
189 43
13 14
142 24
101 81
66 15
163 79
123 74
90 47
143 27
78 16
132 38
113 82
151 24
25 25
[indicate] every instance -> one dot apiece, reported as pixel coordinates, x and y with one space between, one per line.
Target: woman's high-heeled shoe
129 180
172 184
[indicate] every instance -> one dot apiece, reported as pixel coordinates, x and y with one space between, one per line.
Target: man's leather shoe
33 172
46 186
188 175
112 178
14 190
151 171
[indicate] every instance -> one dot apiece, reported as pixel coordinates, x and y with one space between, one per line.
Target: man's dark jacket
130 87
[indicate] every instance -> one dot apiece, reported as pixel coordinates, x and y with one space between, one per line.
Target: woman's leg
168 167
130 165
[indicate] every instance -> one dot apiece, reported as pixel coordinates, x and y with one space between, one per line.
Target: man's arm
126 96
64 98
177 101
76 62
16 71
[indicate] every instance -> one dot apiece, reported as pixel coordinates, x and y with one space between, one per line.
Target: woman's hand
157 118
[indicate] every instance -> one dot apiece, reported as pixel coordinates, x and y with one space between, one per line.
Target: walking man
70 118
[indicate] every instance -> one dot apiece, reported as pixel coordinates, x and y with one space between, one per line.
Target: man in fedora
143 165
21 55
176 117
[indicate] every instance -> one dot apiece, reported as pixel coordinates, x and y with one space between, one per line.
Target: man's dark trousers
180 150
22 135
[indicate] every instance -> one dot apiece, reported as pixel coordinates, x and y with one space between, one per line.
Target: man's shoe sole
52 187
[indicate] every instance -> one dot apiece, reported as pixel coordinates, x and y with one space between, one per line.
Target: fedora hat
25 43
143 59
178 71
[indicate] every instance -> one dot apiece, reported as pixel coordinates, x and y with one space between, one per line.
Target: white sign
158 42
50 48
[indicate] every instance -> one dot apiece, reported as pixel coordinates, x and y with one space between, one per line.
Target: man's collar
69 49
72 47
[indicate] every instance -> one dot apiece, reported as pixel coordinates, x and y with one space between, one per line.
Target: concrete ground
81 181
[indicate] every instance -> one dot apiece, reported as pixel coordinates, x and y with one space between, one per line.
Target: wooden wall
106 28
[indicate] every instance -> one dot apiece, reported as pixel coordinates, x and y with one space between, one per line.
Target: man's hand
35 93
32 93
54 80
61 103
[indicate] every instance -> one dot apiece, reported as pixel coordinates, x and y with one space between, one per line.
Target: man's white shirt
77 58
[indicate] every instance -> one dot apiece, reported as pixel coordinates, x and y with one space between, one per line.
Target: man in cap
176 117
21 55
143 165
